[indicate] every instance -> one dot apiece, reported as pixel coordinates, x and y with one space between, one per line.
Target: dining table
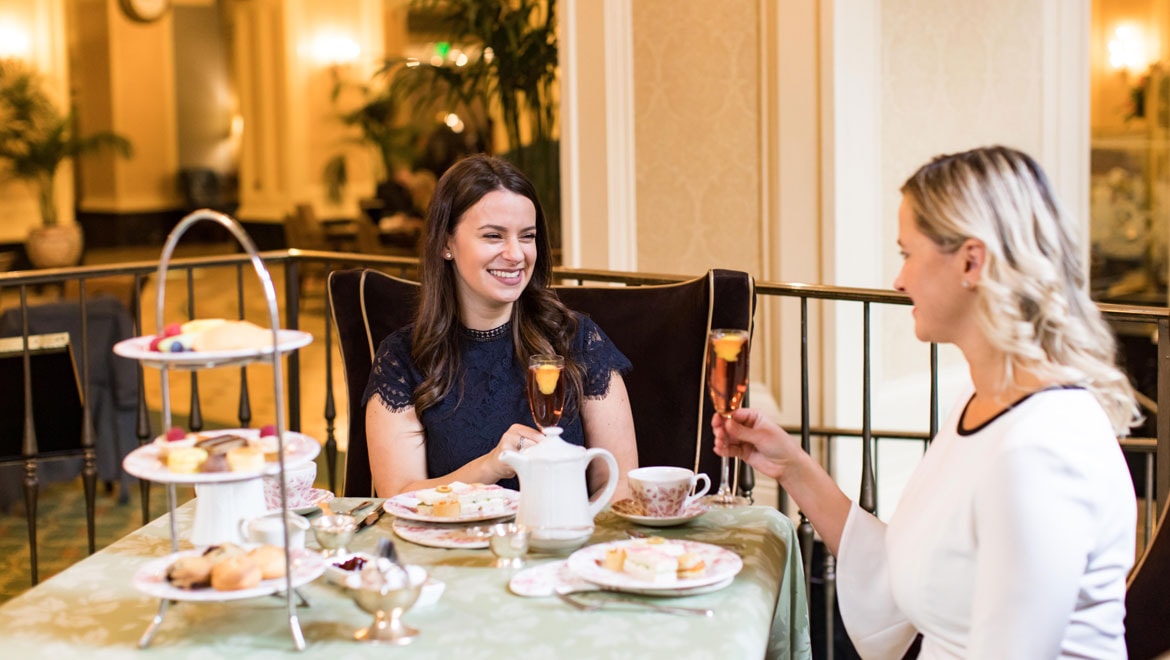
92 609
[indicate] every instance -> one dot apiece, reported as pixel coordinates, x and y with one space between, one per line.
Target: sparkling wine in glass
727 381
546 391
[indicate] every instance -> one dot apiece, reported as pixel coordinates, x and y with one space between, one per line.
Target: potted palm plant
506 72
35 138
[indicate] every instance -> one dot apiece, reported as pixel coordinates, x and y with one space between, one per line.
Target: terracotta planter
58 246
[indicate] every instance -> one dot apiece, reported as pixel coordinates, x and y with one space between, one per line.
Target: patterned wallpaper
696 123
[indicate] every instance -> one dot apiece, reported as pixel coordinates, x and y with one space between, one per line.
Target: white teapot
554 499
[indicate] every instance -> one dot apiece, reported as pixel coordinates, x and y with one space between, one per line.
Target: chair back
661 329
367 305
1147 609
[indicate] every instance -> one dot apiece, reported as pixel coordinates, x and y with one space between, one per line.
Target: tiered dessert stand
223 498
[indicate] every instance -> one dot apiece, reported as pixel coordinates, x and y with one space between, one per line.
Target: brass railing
297 264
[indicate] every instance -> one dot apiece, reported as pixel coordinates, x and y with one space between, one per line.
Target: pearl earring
966 284
447 255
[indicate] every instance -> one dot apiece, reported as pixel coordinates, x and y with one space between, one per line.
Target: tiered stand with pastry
232 490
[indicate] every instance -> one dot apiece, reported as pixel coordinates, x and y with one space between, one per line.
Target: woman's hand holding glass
749 436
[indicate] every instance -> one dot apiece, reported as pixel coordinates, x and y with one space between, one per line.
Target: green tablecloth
92 610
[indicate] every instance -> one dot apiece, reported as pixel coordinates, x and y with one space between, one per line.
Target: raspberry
267 430
154 343
175 433
172 329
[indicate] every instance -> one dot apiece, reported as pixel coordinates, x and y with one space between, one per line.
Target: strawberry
175 433
172 329
267 430
154 343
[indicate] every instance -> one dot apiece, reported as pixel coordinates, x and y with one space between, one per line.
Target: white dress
1012 540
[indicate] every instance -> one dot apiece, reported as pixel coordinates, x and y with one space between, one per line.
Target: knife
371 518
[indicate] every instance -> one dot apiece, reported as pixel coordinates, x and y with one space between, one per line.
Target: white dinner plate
405 505
546 579
138 348
722 564
151 578
436 535
632 511
145 463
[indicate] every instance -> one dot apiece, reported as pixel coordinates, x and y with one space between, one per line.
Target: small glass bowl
334 532
508 542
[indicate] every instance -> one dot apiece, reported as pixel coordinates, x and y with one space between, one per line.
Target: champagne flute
727 381
546 391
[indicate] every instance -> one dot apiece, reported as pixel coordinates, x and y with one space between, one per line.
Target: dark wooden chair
661 329
1147 606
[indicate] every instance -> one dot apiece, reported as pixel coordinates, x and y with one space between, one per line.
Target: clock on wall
145 11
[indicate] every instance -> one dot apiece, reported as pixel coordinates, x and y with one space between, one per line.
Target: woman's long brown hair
540 321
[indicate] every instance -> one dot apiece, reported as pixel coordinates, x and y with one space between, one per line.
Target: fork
610 598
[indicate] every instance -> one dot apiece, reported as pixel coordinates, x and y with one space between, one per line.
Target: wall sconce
335 50
14 41
1127 49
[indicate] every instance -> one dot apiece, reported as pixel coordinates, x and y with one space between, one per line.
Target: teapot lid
552 448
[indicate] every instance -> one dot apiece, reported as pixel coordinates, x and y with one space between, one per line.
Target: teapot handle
598 503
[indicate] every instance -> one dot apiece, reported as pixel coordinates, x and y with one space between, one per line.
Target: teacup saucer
632 511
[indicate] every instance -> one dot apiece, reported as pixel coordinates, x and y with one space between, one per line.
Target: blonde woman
1014 536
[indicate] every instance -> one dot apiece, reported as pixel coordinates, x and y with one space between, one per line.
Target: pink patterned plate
546 579
438 536
632 511
721 566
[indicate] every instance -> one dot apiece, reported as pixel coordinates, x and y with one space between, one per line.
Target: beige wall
697 126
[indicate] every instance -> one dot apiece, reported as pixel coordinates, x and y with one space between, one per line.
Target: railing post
89 460
1162 462
330 407
292 312
868 497
142 428
29 445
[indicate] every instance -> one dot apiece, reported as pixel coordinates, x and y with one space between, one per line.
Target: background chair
1147 608
113 380
662 329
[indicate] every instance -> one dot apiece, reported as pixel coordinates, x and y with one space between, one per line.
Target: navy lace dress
468 423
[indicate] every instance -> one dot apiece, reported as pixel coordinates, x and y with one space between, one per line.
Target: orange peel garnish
547 376
728 347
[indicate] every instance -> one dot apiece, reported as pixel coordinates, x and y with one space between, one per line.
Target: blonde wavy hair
1033 303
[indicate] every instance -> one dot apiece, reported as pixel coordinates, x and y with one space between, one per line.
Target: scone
190 573
235 573
270 559
218 553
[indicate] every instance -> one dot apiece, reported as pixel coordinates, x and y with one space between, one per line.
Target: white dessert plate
431 591
145 463
405 505
317 497
151 578
138 348
436 535
546 579
721 565
632 511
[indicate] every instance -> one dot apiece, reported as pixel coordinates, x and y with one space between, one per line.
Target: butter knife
371 518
